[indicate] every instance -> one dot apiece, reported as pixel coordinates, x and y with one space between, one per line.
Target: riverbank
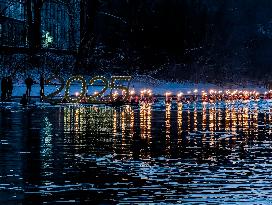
137 84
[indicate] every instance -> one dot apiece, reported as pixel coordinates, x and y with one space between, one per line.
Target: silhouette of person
4 89
42 87
24 100
9 87
29 82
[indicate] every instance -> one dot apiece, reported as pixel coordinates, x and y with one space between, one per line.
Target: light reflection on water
194 153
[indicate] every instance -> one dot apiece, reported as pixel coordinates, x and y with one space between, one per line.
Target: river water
154 153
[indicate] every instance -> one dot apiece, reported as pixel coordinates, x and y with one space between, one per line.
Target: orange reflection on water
207 123
179 121
145 120
167 127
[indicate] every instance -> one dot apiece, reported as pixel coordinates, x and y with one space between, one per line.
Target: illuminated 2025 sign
112 85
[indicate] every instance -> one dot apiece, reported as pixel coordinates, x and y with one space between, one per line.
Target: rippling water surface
192 154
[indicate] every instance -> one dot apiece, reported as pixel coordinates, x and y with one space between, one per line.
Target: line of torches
212 96
204 96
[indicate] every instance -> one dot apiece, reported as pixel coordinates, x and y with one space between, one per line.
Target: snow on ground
158 89
137 84
161 87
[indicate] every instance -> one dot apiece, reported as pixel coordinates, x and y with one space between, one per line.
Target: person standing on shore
23 100
29 82
41 87
9 87
4 89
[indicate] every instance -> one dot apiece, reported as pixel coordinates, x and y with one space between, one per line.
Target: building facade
58 23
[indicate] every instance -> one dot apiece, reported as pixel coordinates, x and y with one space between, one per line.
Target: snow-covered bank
158 88
161 87
138 83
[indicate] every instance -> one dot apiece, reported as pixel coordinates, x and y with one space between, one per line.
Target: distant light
180 94
149 92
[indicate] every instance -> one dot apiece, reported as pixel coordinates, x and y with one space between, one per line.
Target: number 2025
112 85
